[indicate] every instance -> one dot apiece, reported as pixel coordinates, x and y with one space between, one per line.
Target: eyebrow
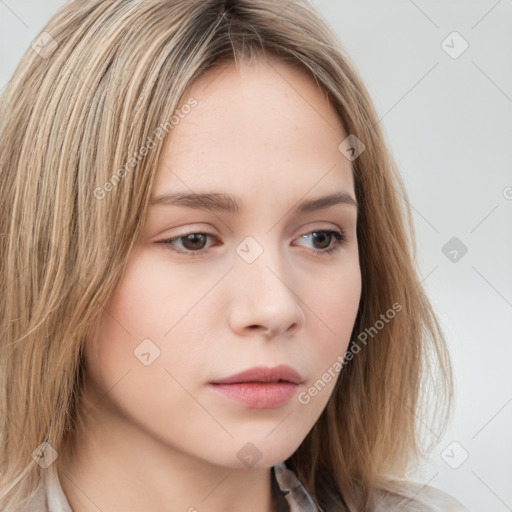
220 202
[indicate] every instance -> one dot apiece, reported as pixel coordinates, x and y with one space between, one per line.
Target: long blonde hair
101 82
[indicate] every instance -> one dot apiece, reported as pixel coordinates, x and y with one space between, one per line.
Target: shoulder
410 496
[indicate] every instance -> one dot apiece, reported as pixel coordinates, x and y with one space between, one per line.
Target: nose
263 300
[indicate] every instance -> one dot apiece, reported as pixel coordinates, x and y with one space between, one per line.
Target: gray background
449 125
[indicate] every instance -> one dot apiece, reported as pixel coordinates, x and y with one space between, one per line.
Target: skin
156 437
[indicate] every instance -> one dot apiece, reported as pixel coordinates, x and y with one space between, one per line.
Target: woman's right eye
193 243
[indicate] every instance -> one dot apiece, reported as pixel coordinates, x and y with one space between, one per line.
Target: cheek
132 314
146 314
128 336
332 312
333 306
147 303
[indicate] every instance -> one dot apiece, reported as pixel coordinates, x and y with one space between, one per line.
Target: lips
260 387
282 372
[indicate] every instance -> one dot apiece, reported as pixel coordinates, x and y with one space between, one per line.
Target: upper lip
264 374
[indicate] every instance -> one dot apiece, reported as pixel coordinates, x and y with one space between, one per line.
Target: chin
256 453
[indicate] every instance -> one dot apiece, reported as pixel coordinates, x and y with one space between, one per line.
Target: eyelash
339 240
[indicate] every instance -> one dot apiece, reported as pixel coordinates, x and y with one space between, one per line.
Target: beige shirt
416 498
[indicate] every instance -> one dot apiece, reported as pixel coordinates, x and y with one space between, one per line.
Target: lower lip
258 395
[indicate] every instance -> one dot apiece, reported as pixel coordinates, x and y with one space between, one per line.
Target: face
212 290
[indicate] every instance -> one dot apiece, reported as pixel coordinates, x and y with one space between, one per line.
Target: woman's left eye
322 235
193 243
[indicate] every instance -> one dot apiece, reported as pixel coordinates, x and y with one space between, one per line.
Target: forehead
263 125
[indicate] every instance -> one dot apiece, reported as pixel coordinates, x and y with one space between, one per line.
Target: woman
209 293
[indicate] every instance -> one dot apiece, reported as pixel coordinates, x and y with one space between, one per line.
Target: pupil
194 238
317 236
